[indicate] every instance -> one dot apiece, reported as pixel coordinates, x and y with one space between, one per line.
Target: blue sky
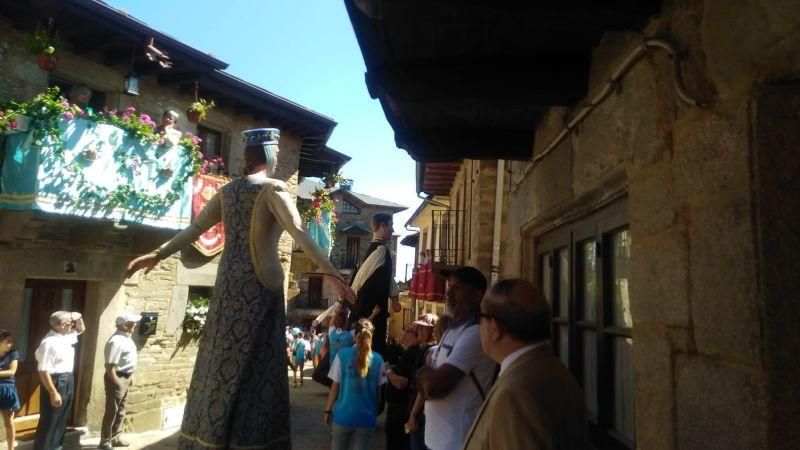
306 52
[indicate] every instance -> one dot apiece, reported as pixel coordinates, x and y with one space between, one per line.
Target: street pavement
308 429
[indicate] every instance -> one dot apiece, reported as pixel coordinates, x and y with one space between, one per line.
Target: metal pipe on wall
498 220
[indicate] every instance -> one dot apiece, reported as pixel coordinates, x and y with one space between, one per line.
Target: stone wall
36 248
710 196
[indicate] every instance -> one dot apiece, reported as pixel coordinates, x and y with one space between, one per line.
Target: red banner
205 187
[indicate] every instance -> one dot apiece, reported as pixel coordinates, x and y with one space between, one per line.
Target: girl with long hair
9 400
352 407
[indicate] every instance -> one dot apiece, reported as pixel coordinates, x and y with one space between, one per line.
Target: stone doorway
42 298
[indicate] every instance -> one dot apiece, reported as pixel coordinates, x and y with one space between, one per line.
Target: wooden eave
472 79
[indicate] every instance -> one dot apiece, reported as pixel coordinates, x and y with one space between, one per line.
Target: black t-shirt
5 363
403 368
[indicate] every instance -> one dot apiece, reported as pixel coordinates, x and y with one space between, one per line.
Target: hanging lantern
131 84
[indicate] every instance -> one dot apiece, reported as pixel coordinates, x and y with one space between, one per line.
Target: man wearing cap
121 356
55 359
535 403
239 394
456 383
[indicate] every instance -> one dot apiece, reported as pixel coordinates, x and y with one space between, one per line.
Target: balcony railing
448 236
100 171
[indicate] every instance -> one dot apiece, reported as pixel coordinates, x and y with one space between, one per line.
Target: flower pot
330 184
90 155
166 173
193 116
46 62
23 123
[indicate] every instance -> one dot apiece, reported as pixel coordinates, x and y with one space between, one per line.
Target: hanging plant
321 201
331 179
198 110
43 45
8 121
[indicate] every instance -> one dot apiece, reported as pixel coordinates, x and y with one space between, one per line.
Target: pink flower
188 133
12 124
145 119
130 109
160 141
100 113
196 140
65 103
200 154
2 112
69 116
202 170
113 113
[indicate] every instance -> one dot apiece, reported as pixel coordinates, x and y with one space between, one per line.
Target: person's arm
333 395
208 217
398 381
437 383
111 371
80 327
12 369
47 382
284 208
394 295
416 410
375 311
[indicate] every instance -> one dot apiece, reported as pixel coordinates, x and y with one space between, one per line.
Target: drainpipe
498 220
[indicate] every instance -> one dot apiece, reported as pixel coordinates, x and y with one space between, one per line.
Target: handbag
320 374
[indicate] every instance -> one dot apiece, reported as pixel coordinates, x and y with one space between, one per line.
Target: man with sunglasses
456 383
535 403
56 361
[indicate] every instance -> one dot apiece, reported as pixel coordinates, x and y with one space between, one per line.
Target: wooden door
45 297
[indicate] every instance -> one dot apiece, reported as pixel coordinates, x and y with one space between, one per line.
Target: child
357 374
9 401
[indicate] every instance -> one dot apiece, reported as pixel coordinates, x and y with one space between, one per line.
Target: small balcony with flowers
117 165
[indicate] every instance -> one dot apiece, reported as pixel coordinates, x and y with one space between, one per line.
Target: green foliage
194 320
333 178
202 107
40 43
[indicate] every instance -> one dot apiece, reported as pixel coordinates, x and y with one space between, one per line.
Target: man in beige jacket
535 403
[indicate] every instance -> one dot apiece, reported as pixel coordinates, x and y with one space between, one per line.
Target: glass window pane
547 279
620 266
589 360
589 287
563 283
623 387
563 344
66 300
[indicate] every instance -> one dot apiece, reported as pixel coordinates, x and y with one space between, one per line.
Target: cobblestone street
308 430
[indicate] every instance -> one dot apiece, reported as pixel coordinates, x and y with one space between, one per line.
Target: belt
124 374
59 375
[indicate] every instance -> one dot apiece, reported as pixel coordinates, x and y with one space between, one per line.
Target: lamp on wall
131 84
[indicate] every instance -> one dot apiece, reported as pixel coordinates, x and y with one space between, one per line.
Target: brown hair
364 330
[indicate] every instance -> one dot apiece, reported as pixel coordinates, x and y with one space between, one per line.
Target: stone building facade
661 230
35 247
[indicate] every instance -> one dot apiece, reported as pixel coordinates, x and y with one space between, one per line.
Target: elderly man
455 385
121 357
535 403
56 361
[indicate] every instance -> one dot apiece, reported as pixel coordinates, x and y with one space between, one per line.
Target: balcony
448 237
99 170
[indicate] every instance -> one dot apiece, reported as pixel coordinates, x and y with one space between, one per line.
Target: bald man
535 403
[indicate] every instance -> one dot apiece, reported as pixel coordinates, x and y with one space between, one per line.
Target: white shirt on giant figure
56 353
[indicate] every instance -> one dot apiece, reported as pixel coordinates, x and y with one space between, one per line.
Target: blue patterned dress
239 396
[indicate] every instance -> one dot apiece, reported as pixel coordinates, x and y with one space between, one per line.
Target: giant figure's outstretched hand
345 291
146 262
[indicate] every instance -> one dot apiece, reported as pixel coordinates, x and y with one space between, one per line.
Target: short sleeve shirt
339 339
357 404
449 419
121 351
5 364
300 349
56 353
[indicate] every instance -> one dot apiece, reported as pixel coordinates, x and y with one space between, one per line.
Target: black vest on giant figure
375 292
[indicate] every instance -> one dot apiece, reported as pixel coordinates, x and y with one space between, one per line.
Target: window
96 102
583 269
353 248
349 208
211 144
315 291
448 227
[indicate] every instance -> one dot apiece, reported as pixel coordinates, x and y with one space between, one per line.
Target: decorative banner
95 175
205 187
320 232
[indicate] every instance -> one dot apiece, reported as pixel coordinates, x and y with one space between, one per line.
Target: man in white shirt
535 403
121 358
461 374
56 361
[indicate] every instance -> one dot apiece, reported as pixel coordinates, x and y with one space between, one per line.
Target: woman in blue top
357 374
9 401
